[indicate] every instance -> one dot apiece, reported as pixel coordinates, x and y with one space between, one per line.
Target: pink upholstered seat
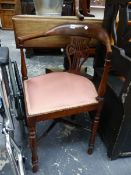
57 91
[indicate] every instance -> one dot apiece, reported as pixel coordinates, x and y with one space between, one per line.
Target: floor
63 150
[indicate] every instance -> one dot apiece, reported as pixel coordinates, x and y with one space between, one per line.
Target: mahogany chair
59 94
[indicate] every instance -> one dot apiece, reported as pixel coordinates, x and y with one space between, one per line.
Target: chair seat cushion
57 91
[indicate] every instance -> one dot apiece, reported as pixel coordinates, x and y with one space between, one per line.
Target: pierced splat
77 52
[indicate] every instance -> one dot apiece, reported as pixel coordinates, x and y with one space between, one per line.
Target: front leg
95 126
33 145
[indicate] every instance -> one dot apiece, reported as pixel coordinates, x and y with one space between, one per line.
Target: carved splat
77 52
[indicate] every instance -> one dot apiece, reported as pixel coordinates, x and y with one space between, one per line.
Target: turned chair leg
94 129
33 146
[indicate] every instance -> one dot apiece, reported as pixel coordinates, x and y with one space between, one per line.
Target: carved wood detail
77 53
